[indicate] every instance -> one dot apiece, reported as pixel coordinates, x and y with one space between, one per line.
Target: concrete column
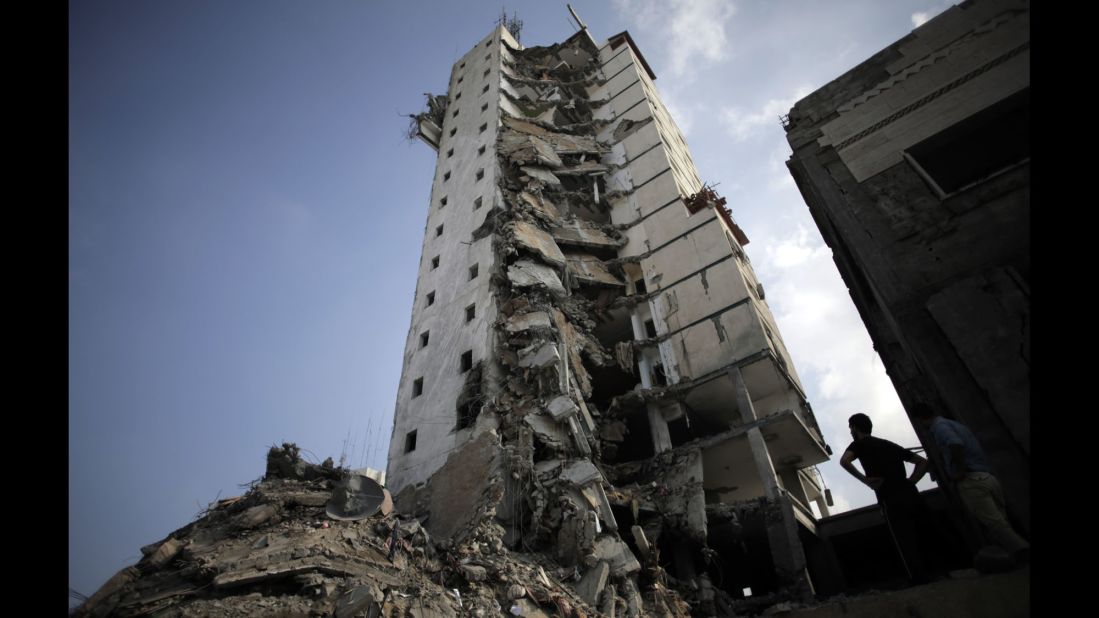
658 427
758 445
782 534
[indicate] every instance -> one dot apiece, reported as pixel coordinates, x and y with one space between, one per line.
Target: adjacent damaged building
916 168
592 370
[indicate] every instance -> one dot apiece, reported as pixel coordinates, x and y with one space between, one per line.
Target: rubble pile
275 551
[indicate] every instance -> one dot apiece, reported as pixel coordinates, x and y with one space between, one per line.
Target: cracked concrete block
537 240
526 273
527 321
617 554
546 429
591 586
633 598
257 516
545 467
642 542
610 598
168 549
561 407
357 600
581 473
539 354
592 270
473 572
541 173
541 205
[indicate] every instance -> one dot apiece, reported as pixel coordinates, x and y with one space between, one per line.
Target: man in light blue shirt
967 466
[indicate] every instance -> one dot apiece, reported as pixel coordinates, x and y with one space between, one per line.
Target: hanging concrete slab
527 321
541 173
561 143
581 473
541 205
591 270
539 354
529 149
547 429
580 233
526 273
535 239
587 167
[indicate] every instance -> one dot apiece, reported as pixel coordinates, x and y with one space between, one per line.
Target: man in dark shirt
904 511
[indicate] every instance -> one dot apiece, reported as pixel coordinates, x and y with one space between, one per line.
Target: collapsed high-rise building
592 369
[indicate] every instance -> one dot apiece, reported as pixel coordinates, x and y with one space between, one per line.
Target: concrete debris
541 206
166 552
616 554
547 430
525 273
529 149
561 407
527 321
562 144
539 354
580 233
628 127
542 174
515 591
474 573
590 588
535 239
591 270
580 473
623 353
583 169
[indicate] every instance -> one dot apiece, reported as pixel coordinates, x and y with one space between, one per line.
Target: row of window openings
480 129
485 74
484 107
480 174
435 262
443 202
488 56
480 151
465 363
471 311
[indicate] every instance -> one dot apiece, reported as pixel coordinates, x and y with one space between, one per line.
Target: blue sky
245 221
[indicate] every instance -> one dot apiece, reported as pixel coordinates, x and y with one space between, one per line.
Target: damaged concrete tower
592 370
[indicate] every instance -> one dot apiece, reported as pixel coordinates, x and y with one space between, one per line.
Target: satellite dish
357 497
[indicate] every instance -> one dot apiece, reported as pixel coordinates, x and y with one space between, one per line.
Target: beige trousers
982 495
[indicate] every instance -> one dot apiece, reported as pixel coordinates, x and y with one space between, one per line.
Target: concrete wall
433 414
705 291
941 281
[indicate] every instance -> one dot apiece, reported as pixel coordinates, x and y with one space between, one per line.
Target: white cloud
831 350
920 18
742 124
692 30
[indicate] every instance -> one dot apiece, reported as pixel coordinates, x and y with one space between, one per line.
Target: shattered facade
592 369
915 165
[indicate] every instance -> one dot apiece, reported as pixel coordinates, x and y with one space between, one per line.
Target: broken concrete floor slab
526 273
